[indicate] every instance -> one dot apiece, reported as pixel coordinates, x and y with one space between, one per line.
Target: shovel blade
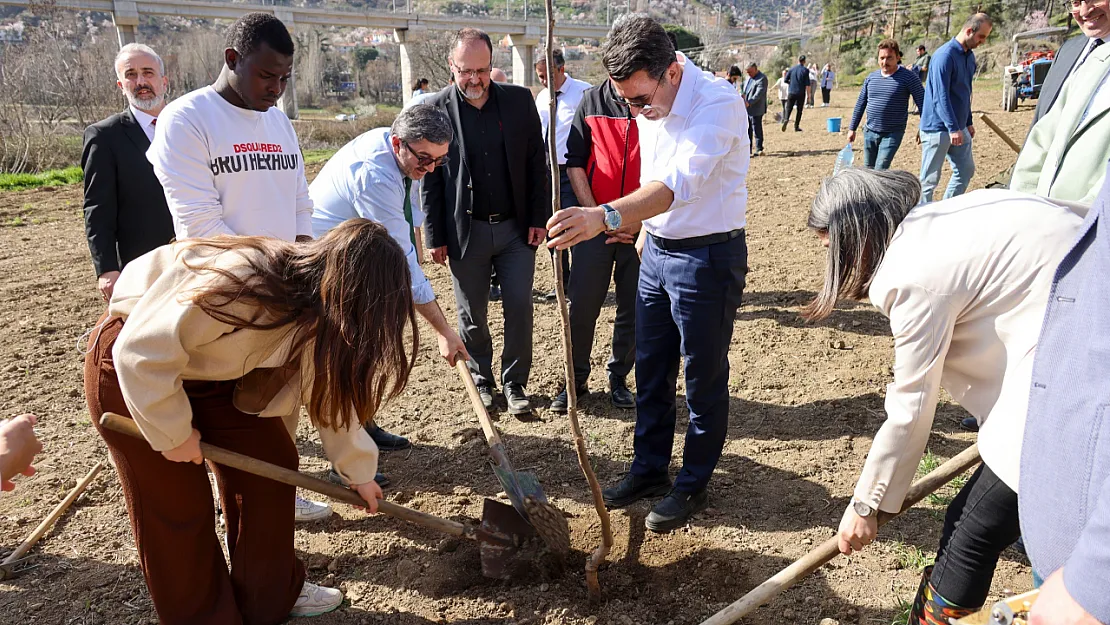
503 534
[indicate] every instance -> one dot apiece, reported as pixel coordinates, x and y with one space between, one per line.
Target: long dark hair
349 290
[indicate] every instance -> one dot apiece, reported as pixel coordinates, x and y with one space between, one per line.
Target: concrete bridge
408 28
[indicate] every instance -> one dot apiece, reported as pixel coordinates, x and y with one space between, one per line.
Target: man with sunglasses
694 156
486 209
373 177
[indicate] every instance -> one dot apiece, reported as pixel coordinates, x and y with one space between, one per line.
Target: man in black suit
487 208
125 209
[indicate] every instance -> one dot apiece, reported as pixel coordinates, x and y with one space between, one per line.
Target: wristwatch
612 218
862 509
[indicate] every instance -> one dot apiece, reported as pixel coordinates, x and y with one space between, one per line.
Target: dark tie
1094 44
408 211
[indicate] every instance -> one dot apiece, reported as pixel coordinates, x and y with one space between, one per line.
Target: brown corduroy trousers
171 511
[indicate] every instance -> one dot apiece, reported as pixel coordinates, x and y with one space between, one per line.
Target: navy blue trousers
685 308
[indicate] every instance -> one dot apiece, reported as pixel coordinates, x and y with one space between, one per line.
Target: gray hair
752 65
637 42
977 21
859 209
556 58
422 121
133 48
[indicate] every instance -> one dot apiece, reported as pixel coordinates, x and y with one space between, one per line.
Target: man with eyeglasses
1094 22
486 208
373 177
694 156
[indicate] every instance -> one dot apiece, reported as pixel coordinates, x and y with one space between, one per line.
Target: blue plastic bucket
833 124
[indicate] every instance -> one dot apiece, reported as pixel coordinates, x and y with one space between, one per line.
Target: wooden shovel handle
254 466
479 408
829 549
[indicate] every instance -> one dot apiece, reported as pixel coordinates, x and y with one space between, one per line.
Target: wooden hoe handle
127 426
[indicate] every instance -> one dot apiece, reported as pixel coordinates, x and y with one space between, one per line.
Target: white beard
145 105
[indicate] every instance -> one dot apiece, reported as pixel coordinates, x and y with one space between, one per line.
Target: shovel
501 535
523 488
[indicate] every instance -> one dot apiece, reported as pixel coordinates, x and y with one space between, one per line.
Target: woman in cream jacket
965 284
211 338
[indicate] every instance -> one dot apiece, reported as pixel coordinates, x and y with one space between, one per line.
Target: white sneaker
306 510
316 600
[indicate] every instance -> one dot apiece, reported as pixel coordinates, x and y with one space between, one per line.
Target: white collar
142 117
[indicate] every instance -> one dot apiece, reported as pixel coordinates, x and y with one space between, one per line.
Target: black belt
674 245
495 219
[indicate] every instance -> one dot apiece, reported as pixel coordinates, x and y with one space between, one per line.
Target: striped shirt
885 99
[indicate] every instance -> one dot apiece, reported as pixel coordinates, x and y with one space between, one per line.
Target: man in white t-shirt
228 160
230 164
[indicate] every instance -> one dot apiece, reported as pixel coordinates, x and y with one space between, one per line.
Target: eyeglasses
1073 5
467 74
424 161
646 107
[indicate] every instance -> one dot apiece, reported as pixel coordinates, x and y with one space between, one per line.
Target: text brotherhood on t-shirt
253 157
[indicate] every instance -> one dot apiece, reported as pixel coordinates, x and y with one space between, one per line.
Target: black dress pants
795 101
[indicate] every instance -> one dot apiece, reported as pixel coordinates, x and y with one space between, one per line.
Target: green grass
902 612
909 557
50 178
311 157
944 495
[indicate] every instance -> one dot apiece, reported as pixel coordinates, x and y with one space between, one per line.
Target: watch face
612 219
862 509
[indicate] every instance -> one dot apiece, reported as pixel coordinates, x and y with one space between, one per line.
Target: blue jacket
1065 458
948 89
798 79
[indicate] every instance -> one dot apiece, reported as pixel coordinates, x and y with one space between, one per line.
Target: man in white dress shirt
695 154
568 94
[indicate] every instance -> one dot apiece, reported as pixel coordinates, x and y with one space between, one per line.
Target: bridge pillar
406 39
125 15
288 101
524 58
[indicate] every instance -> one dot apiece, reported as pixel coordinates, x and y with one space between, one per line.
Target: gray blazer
1065 457
755 92
1066 57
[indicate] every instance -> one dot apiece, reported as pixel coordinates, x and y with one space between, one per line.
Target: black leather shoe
517 399
634 488
485 391
336 478
387 441
675 509
561 402
969 424
619 395
494 293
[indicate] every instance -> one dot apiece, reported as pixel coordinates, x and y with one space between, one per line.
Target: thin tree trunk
602 552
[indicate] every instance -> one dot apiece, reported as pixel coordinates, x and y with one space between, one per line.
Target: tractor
1023 77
